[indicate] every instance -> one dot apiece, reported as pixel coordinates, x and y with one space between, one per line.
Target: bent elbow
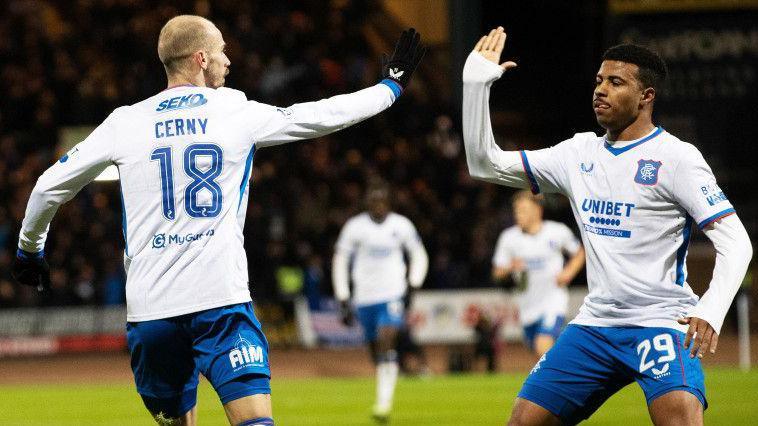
748 247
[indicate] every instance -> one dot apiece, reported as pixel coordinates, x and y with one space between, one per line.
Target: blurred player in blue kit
532 252
184 158
635 193
370 250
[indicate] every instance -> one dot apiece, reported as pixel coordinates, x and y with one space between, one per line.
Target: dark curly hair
653 70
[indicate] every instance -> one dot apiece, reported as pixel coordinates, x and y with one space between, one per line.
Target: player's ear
201 58
648 96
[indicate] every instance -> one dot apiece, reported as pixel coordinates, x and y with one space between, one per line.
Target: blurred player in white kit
532 251
184 158
635 192
370 250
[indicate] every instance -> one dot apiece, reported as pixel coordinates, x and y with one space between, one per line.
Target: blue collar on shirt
618 151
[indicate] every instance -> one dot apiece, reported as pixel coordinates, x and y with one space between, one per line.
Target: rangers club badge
647 172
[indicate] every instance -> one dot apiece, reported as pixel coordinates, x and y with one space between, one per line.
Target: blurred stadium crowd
68 63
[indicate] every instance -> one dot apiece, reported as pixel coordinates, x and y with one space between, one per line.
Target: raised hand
491 46
404 60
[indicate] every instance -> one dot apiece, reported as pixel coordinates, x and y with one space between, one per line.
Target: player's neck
636 130
378 219
185 80
533 228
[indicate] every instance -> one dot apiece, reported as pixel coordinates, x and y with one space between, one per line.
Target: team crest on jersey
647 172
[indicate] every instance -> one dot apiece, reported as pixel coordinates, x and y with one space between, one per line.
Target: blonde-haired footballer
184 158
532 252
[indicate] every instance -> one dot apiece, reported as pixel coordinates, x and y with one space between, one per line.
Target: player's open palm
491 47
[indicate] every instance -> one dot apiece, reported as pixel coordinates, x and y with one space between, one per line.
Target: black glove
31 269
346 314
408 53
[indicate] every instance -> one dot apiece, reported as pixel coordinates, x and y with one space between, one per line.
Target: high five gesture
491 47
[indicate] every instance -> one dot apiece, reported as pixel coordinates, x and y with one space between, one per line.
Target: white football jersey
378 268
542 254
635 203
635 207
184 158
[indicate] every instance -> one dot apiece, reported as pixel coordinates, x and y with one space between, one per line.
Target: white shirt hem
627 322
188 309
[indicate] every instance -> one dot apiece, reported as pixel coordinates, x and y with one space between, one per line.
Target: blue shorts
386 314
225 344
550 325
589 364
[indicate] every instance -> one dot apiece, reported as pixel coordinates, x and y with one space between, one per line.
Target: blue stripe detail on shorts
397 90
716 217
681 253
532 180
246 175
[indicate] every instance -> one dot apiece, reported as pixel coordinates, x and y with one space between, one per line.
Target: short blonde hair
182 36
525 194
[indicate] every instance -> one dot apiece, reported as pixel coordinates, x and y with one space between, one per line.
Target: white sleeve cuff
479 70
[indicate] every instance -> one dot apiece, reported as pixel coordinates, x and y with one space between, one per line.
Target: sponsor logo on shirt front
162 240
378 251
606 216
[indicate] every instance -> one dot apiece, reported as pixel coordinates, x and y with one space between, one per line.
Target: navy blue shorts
225 344
589 364
385 314
550 325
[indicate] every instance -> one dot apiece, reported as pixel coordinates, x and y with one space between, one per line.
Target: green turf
450 400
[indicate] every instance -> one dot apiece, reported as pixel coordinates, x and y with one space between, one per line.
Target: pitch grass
449 400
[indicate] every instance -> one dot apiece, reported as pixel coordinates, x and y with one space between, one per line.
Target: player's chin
604 120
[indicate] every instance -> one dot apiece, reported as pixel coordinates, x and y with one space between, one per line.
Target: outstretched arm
486 161
573 266
340 273
57 185
733 254
314 119
62 181
418 264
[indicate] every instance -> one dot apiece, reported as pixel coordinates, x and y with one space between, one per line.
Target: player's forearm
62 181
486 161
314 119
48 194
340 272
733 254
419 265
575 264
500 273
